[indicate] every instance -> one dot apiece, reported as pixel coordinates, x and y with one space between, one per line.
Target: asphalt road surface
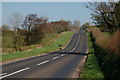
59 64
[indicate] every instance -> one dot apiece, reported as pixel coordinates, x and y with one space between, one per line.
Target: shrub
7 42
108 61
115 43
110 43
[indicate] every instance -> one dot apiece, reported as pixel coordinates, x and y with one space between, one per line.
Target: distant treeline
31 30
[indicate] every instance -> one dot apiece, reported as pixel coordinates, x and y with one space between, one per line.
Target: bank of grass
48 39
61 39
91 69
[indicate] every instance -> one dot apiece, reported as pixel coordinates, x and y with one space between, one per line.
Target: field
62 39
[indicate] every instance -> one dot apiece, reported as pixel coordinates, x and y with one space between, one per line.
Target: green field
53 46
48 39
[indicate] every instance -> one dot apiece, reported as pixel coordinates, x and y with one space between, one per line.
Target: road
59 64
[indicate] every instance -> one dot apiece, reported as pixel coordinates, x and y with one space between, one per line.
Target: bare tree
15 21
106 15
76 23
34 27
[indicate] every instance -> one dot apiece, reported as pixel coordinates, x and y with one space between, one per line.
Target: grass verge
61 39
48 39
91 68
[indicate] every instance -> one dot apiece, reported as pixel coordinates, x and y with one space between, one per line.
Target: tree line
31 29
106 15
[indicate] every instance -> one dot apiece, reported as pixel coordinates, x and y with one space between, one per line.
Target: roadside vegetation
107 52
105 38
62 39
31 32
91 69
32 35
107 41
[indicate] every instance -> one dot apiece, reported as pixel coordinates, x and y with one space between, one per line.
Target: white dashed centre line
63 55
3 74
55 57
43 62
15 72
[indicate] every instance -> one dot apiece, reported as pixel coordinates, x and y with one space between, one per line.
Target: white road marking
70 51
3 74
38 64
74 47
43 62
62 54
55 57
15 72
76 44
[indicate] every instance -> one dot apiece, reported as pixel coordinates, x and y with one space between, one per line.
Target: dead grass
110 43
115 43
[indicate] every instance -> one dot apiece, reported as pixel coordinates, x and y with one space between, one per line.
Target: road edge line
80 66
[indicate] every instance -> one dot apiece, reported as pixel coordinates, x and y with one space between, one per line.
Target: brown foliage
115 43
93 26
58 26
106 15
110 43
34 28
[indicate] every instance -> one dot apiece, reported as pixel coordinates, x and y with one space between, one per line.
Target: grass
61 39
90 44
91 68
45 41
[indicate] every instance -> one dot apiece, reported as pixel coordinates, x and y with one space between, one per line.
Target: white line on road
55 57
70 51
76 44
15 72
3 74
62 54
43 62
74 47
